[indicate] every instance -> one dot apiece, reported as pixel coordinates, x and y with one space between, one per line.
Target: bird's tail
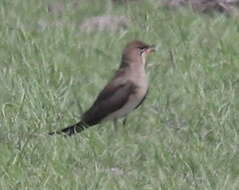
71 130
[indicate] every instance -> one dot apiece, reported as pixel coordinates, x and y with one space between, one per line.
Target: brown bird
124 93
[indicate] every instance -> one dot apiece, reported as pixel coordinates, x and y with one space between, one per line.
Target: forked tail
71 130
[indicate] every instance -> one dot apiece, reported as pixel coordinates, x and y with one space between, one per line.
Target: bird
125 92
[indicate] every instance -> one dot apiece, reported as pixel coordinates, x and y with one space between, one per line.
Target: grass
184 137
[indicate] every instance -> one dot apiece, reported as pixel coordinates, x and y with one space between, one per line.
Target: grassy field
184 137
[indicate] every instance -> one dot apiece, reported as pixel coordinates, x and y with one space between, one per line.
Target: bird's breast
140 80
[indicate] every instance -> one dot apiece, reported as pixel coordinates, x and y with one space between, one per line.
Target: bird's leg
124 121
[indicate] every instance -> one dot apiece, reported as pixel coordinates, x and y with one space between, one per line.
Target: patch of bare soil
229 7
105 23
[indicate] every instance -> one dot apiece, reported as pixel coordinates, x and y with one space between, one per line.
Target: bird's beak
150 49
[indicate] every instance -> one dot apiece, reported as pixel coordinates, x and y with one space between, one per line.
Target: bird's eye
141 50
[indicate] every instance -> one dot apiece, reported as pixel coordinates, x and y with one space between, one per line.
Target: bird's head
136 52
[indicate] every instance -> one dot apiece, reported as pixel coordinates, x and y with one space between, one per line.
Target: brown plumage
125 92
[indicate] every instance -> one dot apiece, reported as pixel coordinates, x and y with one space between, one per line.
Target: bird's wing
112 98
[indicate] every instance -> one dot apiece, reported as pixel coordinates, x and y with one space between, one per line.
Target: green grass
184 137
